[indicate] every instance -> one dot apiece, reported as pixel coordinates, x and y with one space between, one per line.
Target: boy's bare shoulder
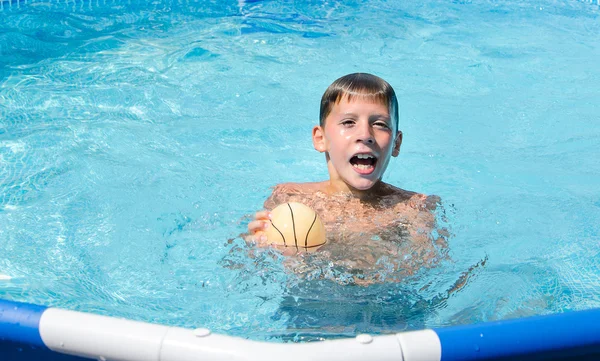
413 199
304 188
291 192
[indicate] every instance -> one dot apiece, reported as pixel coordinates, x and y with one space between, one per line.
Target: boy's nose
368 140
365 135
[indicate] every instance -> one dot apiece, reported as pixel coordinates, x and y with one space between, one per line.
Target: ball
296 225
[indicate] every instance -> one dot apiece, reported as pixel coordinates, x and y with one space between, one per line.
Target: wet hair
359 85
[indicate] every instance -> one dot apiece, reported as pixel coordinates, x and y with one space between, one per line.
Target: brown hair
359 85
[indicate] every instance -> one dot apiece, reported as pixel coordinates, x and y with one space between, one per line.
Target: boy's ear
397 144
318 137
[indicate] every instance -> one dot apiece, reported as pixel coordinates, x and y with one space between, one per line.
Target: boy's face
360 138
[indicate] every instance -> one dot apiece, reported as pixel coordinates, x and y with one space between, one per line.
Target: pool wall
32 332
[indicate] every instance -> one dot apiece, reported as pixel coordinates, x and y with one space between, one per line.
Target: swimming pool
135 137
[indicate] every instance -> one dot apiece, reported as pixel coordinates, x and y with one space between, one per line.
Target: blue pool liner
509 339
20 337
19 323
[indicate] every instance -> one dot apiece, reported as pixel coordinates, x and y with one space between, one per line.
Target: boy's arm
282 193
260 220
424 228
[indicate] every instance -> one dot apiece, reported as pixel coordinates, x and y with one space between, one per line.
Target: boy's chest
354 217
343 217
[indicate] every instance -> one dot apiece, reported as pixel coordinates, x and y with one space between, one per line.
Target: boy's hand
256 228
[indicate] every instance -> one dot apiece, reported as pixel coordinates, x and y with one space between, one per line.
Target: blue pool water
135 138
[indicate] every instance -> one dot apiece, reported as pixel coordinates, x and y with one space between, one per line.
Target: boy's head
358 131
359 85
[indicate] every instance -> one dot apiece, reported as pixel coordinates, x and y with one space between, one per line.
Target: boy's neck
339 187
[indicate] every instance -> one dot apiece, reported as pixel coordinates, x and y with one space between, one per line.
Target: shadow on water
32 31
325 309
318 310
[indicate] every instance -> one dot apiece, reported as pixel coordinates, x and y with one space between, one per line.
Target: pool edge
56 333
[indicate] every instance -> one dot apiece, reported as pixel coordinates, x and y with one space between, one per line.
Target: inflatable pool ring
296 225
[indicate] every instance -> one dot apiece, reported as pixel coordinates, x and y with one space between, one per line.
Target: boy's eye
381 125
347 122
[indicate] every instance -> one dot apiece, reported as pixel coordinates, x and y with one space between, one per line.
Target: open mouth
363 163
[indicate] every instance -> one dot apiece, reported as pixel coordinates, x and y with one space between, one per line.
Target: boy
358 132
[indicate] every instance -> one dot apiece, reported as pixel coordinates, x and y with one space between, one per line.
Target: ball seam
293 226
